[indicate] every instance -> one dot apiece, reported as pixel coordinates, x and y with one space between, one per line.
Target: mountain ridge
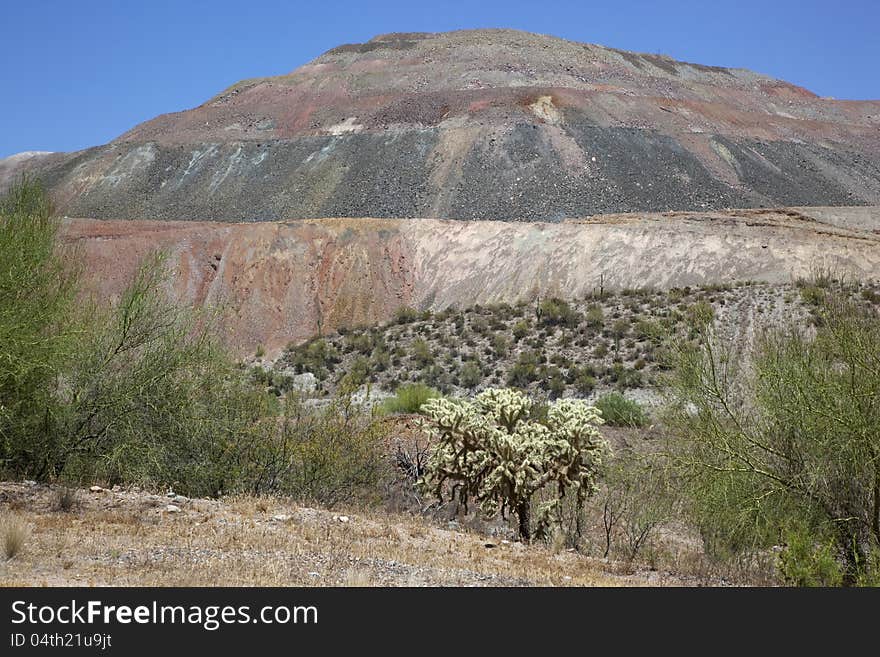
478 124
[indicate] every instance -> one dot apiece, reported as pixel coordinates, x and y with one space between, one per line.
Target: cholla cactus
490 450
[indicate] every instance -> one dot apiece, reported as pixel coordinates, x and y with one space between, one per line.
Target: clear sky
77 73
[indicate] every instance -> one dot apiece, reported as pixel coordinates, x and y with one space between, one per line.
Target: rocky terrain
478 124
284 282
129 537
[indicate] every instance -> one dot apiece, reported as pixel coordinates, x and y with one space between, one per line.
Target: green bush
421 353
471 375
525 371
328 456
595 316
618 411
556 312
406 315
786 437
409 398
520 330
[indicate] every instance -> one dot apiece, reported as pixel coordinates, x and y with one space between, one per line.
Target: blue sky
79 73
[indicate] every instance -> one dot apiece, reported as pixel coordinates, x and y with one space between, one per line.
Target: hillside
281 283
478 124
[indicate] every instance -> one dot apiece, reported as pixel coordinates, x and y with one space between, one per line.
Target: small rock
314 574
281 517
30 482
172 508
180 499
116 488
96 489
170 493
342 519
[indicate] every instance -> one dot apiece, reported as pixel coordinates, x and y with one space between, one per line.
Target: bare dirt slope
283 282
478 124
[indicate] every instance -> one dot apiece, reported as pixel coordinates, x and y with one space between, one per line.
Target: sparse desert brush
14 535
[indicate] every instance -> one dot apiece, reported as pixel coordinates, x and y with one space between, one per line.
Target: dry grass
128 538
14 533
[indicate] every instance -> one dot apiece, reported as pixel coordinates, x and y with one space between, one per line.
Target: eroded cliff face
478 124
284 282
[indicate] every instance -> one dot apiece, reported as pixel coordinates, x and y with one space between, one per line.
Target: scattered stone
281 517
180 499
96 489
342 519
30 482
116 488
172 508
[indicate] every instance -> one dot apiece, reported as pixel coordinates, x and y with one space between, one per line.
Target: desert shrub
480 325
595 316
380 359
436 376
520 330
500 345
471 375
358 372
409 398
618 411
406 315
619 330
556 312
812 295
788 433
806 562
700 314
361 342
491 451
327 456
639 495
871 295
554 383
421 353
318 357
525 370
584 382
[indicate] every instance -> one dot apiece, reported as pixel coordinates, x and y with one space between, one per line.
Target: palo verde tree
489 450
784 446
38 286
